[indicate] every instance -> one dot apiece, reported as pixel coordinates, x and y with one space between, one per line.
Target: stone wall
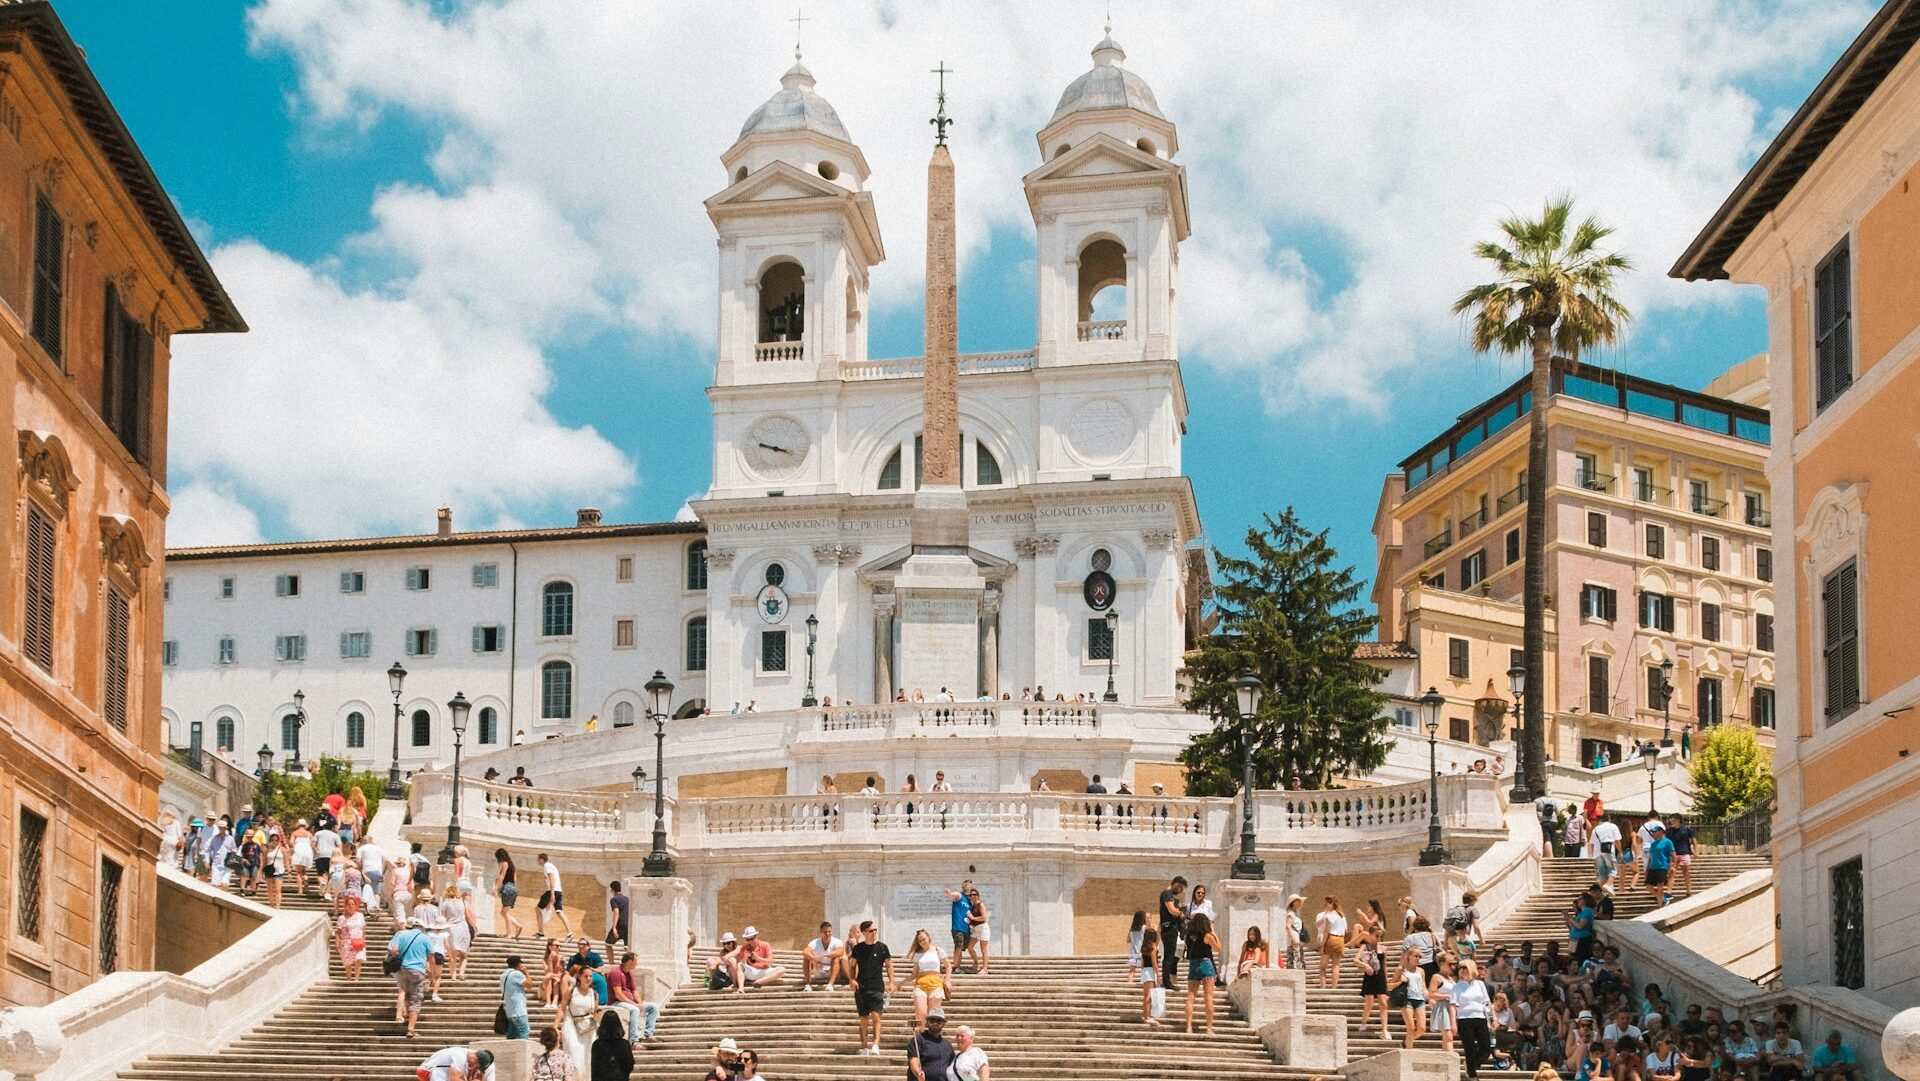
1103 911
1171 774
786 910
737 782
191 925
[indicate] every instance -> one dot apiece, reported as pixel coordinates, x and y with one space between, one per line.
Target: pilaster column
990 642
1049 637
883 645
1154 655
723 663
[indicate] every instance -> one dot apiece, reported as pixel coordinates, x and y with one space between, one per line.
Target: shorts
323 865
748 972
1201 970
961 940
1657 876
1373 983
551 899
1627 856
981 933
412 983
1333 944
1684 859
274 872
930 984
869 1002
509 895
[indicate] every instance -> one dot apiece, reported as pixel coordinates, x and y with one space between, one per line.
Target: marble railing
911 367
1199 825
906 717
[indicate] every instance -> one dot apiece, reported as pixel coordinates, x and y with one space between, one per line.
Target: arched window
489 725
783 303
556 609
223 734
290 732
623 714
556 691
697 565
890 473
356 730
697 644
422 728
1103 291
986 468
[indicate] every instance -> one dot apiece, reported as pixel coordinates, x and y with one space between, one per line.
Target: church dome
796 108
1108 86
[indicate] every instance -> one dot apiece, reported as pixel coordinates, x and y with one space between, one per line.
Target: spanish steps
1036 1016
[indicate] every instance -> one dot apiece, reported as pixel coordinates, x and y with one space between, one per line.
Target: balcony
1594 482
1472 523
1759 518
1711 508
1651 493
1018 360
773 352
1510 499
1440 543
1103 330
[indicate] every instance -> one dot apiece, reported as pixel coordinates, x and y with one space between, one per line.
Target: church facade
1080 524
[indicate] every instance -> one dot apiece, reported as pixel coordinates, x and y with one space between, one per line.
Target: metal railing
1759 518
1472 522
1440 543
1712 508
1651 493
1595 482
1510 499
1749 831
1103 330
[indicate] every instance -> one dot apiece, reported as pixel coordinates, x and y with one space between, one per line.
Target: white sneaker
437 998
874 1050
864 1052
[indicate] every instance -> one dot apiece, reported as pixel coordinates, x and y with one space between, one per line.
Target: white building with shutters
1071 464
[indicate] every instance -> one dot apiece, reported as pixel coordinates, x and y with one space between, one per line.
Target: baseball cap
936 1014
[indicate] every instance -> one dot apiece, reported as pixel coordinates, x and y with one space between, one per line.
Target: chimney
446 523
587 518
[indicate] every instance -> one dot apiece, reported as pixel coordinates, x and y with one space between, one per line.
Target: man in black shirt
1173 920
1682 836
929 1055
617 909
873 978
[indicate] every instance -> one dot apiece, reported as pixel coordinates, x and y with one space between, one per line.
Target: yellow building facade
1828 221
97 273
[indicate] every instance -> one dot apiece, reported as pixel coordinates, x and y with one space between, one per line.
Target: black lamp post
1247 691
458 708
1652 755
1517 679
1113 647
813 635
1666 702
395 677
660 690
265 758
294 761
1435 853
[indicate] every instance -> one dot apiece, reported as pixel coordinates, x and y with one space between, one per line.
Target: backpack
422 870
1458 918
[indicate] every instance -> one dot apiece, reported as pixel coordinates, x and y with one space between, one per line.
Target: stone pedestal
512 1059
1261 904
938 598
1403 1066
1436 889
662 918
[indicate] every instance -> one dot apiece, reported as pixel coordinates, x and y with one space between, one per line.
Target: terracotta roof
1887 39
36 20
434 540
1385 651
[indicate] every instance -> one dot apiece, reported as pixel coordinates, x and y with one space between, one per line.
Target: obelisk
939 589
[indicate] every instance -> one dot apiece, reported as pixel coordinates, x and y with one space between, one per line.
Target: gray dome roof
1108 86
796 108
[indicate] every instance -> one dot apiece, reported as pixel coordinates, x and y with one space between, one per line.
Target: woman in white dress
576 1019
453 910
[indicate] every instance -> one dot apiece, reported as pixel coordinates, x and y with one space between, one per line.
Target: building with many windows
1660 554
97 273
1828 221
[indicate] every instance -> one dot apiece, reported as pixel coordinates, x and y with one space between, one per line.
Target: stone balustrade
779 351
1021 360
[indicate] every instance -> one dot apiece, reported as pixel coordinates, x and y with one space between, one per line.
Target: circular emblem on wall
1098 590
776 446
772 603
1100 431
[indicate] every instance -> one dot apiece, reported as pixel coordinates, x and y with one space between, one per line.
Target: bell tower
1109 211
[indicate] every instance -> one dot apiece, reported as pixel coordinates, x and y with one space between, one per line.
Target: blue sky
469 240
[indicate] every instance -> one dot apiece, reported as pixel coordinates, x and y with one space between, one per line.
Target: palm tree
1552 293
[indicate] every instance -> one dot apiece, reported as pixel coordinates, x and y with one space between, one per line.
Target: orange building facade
1828 221
97 273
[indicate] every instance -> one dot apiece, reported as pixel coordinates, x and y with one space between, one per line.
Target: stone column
1261 904
990 642
723 665
662 917
883 645
1158 624
1049 637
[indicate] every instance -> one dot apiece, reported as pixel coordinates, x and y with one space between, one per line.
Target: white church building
1081 522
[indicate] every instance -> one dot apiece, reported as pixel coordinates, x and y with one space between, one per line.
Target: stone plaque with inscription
940 643
916 908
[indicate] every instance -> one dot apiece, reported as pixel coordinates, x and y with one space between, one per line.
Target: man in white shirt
1606 847
822 956
457 1064
969 1061
373 864
1621 1025
325 843
550 900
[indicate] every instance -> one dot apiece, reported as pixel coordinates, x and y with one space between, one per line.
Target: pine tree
1731 772
1287 615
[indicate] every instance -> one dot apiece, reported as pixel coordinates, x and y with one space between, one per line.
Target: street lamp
1435 853
1113 647
1666 702
395 677
639 779
458 708
265 757
658 864
1652 755
1517 679
813 634
300 722
1247 690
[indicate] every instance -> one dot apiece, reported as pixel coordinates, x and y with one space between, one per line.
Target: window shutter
1850 638
49 279
118 640
433 642
37 641
1612 599
1831 646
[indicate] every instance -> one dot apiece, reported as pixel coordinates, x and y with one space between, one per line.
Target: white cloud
1342 159
206 514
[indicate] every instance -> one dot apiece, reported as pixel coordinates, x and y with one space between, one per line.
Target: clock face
776 446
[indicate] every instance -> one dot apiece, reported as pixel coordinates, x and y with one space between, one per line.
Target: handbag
500 1020
1157 1002
1397 998
391 965
233 862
